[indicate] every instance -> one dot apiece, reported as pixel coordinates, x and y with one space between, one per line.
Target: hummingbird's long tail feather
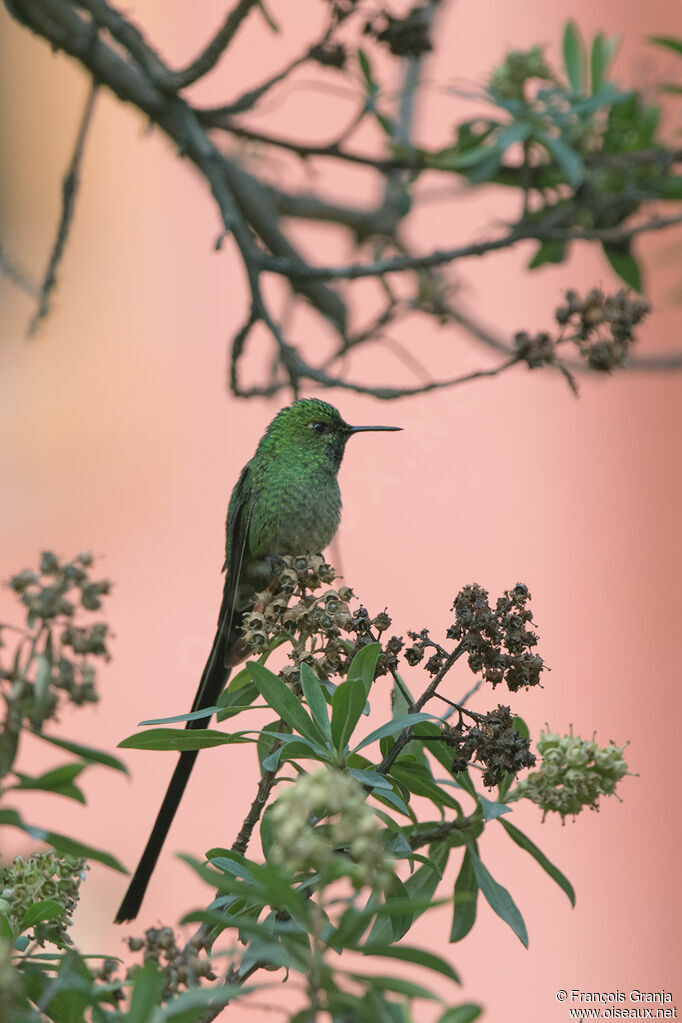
213 679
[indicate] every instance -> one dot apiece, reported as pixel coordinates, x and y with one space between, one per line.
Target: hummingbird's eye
318 427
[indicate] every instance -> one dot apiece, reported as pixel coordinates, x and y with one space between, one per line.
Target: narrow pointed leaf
314 697
61 842
499 899
94 756
574 56
180 739
492 810
278 696
148 985
466 896
525 843
392 728
407 954
624 264
465 1013
46 909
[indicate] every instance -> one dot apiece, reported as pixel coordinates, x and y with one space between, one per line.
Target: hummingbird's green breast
296 505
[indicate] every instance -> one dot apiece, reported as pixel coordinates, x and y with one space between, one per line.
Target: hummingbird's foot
275 563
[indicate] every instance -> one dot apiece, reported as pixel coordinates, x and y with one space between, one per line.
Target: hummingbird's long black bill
366 429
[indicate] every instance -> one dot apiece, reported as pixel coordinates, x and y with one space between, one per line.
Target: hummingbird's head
315 428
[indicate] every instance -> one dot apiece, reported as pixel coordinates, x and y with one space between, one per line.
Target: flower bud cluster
493 741
573 774
179 967
509 79
604 325
322 823
42 876
498 642
52 596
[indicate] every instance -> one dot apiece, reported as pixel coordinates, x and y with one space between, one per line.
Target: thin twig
69 194
211 54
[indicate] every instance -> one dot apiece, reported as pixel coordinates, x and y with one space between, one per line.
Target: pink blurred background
120 437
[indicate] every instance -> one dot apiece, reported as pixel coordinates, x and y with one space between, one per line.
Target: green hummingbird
286 501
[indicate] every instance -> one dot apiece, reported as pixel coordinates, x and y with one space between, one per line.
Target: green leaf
352 926
363 666
525 843
43 676
407 954
94 756
179 739
191 1006
669 42
194 715
548 252
466 896
574 56
392 728
312 690
267 886
420 888
45 909
603 49
278 696
499 899
418 780
465 1013
148 984
669 187
570 162
624 264
60 842
232 701
366 68
59 781
396 984
348 703
492 810
349 699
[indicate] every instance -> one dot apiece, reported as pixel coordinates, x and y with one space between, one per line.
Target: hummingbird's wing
213 679
236 551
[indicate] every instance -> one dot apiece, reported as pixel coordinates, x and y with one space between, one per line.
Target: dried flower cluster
322 823
404 37
573 774
498 642
40 877
320 626
492 740
180 967
59 659
604 325
601 327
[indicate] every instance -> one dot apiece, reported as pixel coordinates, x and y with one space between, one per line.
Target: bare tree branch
211 54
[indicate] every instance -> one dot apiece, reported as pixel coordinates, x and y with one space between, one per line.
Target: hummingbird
286 501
